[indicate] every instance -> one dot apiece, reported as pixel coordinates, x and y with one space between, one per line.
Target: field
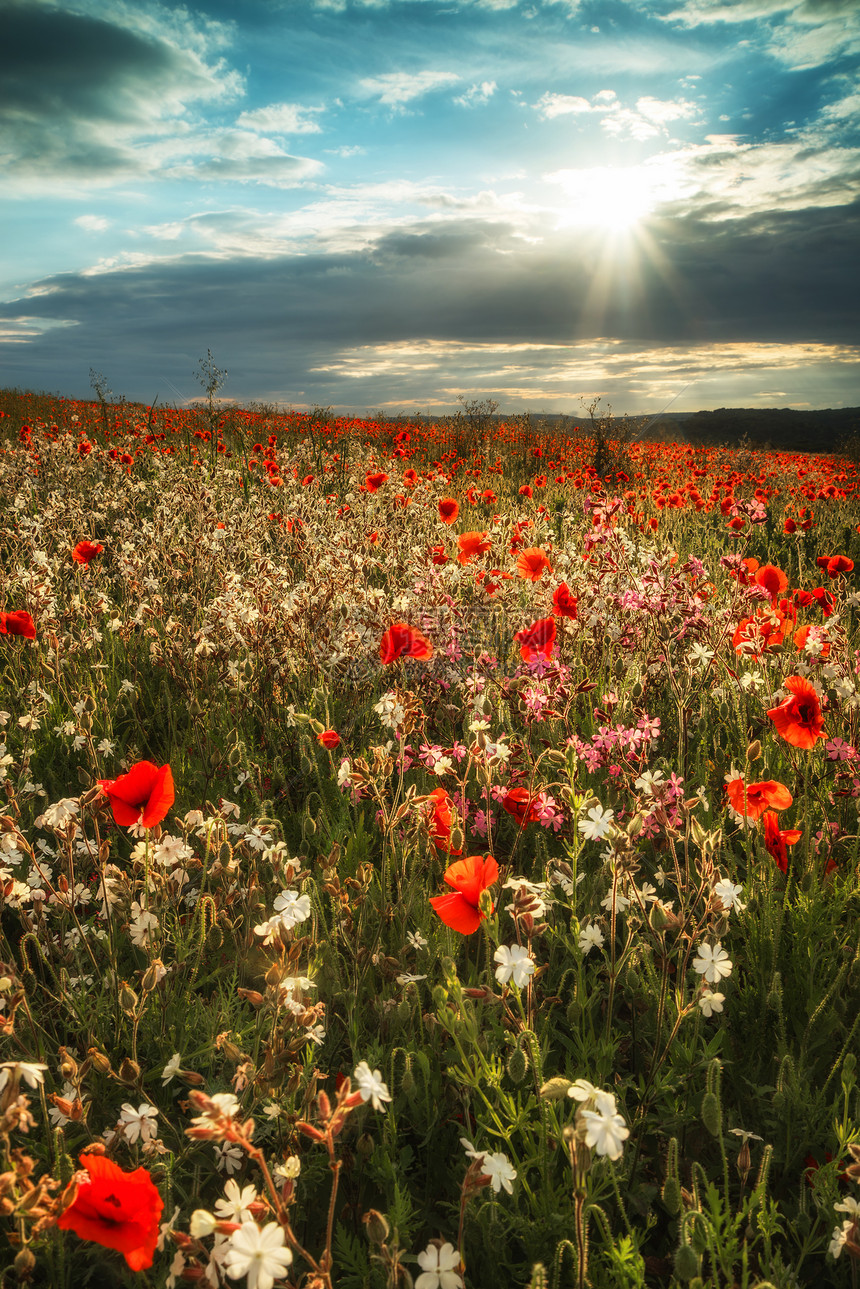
429 854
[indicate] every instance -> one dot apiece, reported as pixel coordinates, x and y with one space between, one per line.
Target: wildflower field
429 855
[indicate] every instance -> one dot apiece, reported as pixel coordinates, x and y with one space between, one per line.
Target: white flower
700 654
407 979
202 1223
416 939
444 765
370 1085
30 1071
747 1136
59 814
471 1151
439 1268
514 964
591 937
849 1205
228 1157
713 963
606 1131
582 1090
728 892
499 1170
838 1238
171 850
650 781
236 1207
259 1255
140 1123
711 1002
293 908
597 824
171 1069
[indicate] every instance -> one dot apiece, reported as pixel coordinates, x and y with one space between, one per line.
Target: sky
396 205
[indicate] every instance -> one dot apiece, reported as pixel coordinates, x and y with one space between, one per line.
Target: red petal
457 913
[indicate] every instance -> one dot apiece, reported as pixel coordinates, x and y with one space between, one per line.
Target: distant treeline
835 429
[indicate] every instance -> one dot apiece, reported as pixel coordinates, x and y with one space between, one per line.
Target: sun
612 199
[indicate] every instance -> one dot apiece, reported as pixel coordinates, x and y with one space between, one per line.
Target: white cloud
477 95
807 33
281 118
552 105
92 223
396 88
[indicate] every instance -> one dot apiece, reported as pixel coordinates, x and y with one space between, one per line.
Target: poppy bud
712 1116
686 1262
517 1065
89 703
24 1263
754 750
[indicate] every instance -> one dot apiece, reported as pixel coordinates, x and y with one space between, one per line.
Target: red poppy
472 544
789 526
402 640
532 563
737 524
441 821
753 799
564 604
824 600
537 639
85 551
525 490
470 877
116 1209
330 739
519 803
798 719
772 579
17 623
449 509
801 636
144 795
373 482
777 840
437 554
839 565
757 635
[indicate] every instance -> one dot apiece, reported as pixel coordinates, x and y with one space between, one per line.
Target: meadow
429 854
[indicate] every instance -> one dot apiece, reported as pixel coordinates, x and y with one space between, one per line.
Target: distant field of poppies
429 854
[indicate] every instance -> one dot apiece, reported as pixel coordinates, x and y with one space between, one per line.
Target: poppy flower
737 524
441 821
824 600
839 565
757 635
17 623
525 490
373 482
537 639
753 799
789 526
329 739
532 563
519 803
401 640
801 636
777 839
564 605
472 544
85 551
798 719
772 579
470 877
449 509
437 554
116 1209
143 796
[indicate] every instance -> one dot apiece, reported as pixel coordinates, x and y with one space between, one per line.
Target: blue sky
391 204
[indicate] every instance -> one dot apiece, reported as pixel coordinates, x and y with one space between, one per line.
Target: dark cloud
78 91
785 279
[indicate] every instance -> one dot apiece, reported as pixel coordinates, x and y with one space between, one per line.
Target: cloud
98 100
281 118
648 119
393 89
477 95
92 223
474 298
800 33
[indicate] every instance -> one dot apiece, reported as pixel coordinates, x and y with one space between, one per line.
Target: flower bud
686 1262
754 750
376 1226
129 1071
101 1064
24 1264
